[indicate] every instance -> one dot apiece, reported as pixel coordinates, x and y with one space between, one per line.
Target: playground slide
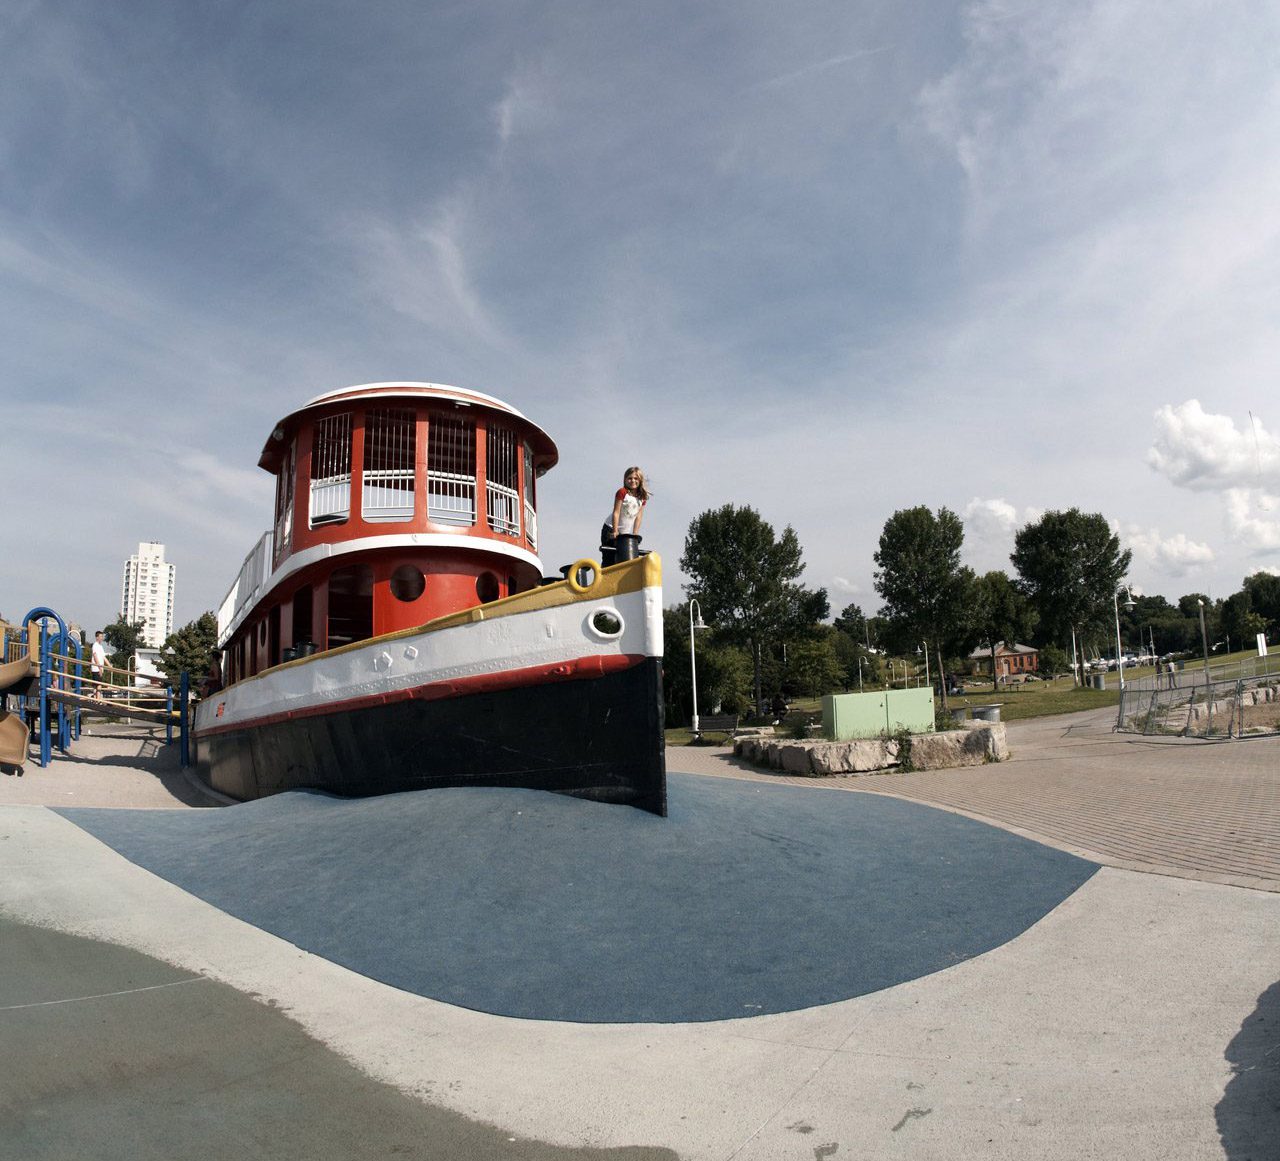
13 740
16 673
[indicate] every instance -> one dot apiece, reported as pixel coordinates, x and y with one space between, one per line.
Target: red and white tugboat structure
394 630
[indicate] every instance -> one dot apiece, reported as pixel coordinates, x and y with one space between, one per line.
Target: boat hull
574 737
526 695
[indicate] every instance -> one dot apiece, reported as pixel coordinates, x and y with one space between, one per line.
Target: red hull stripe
580 669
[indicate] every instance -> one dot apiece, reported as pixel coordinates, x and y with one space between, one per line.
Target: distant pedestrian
628 511
98 663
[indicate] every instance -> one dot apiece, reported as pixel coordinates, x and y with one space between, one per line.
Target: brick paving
1173 806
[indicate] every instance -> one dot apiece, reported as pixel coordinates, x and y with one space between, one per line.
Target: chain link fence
1188 704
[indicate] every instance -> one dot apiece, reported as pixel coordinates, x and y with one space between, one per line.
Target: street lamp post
1204 642
1115 604
859 672
693 656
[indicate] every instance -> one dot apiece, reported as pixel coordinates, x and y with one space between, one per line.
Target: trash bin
959 714
1099 680
986 713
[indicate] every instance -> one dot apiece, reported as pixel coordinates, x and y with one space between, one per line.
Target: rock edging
974 745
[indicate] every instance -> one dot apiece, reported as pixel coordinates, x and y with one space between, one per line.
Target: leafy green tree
746 581
927 592
724 671
125 639
1054 660
853 623
1000 613
855 660
193 647
1070 566
1191 606
1264 597
814 666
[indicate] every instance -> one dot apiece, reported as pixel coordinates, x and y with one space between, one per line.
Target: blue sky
830 260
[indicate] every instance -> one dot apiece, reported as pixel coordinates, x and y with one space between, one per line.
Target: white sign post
1262 644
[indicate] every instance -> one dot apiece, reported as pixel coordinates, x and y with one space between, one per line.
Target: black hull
600 739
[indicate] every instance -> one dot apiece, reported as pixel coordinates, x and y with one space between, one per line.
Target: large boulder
982 742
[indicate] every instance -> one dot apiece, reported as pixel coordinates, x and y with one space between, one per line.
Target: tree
927 592
724 671
1264 595
1000 613
858 665
853 623
1070 566
125 639
745 580
813 665
192 646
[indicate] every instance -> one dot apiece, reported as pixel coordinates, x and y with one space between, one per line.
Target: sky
829 260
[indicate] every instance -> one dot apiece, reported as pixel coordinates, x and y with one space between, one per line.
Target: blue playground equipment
54 662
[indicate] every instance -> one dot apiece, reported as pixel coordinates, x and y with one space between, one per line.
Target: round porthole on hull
407 583
606 623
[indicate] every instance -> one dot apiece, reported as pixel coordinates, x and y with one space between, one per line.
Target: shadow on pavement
1249 1113
112 1054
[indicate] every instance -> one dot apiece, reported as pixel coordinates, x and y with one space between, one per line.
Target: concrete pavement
1138 1019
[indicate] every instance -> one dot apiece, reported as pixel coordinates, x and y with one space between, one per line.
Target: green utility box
869 715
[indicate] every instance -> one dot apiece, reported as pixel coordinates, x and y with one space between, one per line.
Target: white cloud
1257 533
989 529
1174 555
1208 453
423 270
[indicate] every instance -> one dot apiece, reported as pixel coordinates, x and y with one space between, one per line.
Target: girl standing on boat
628 511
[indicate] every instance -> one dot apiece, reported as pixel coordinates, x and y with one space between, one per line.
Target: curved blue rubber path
748 899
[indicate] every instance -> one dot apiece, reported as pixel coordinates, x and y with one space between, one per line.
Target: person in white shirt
628 511
98 662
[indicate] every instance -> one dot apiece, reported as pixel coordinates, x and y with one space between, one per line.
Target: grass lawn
1033 700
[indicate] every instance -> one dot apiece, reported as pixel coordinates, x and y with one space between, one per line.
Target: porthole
606 623
407 583
487 587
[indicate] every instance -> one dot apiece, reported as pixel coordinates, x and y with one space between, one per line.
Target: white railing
451 498
331 470
390 440
530 516
502 465
451 470
388 495
254 574
503 509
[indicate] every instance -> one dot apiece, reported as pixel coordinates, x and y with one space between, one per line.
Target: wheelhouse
396 503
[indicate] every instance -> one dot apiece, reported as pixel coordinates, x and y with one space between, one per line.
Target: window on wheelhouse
284 505
350 605
530 509
389 442
502 467
451 470
331 470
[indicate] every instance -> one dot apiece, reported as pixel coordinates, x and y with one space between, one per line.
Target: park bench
717 724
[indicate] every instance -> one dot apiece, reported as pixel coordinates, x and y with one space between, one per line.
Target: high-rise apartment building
148 592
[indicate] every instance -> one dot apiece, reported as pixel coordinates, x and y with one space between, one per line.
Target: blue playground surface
748 899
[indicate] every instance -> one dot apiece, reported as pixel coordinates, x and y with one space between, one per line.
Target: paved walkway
1184 807
1137 1019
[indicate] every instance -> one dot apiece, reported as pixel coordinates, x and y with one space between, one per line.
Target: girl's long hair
642 491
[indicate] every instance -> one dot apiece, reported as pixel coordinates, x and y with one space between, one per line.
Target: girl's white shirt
627 517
